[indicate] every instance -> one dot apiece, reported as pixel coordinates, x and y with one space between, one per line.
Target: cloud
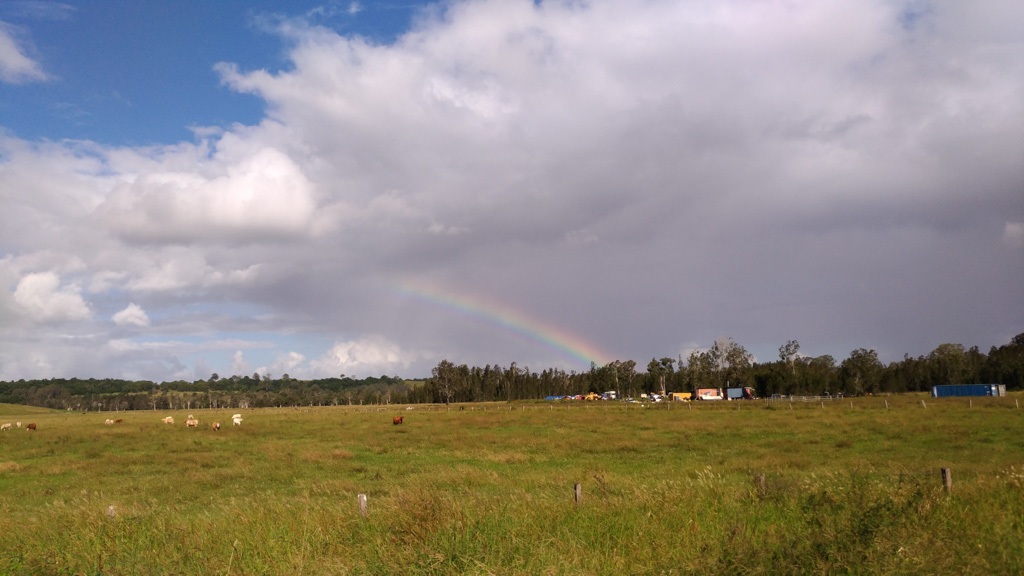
1013 234
367 356
41 297
133 315
645 175
263 196
41 9
239 366
288 364
15 66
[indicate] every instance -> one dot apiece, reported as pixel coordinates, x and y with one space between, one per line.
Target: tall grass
665 491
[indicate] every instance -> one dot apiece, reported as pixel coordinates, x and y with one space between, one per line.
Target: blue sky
140 73
368 188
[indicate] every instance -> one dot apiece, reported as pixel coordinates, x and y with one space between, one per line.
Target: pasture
490 490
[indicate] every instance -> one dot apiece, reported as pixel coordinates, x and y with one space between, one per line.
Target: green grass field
490 490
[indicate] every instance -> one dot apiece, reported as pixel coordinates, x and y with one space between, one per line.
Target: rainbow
510 320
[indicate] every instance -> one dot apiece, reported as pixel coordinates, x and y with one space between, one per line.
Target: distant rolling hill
19 409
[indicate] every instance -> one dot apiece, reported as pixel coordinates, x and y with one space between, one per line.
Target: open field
489 490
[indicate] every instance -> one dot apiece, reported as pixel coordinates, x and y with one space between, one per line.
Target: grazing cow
108 422
168 420
119 421
19 424
192 423
236 420
397 420
31 427
5 426
216 426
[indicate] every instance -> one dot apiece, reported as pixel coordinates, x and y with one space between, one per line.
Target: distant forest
725 364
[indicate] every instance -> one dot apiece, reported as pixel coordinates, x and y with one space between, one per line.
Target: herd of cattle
190 422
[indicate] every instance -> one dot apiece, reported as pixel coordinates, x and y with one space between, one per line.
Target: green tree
947 364
861 372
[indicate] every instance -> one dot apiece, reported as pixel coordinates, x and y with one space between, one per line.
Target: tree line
725 364
236 392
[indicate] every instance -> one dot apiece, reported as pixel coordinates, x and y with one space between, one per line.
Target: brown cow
397 420
31 426
216 426
119 421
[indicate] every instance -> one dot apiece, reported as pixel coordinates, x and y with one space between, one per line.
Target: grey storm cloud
646 176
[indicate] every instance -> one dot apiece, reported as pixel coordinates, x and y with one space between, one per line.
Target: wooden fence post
110 511
362 505
759 485
579 493
923 405
947 479
886 404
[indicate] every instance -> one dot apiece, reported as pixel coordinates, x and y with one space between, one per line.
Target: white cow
5 426
168 420
236 420
19 424
192 423
108 422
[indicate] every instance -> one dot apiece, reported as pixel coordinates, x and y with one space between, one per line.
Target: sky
367 188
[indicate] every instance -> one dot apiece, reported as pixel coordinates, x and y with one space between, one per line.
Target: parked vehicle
968 390
739 393
709 394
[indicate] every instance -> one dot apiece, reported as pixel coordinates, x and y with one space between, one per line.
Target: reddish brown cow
216 426
31 426
397 420
119 421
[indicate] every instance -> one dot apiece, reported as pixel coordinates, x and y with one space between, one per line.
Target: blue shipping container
965 390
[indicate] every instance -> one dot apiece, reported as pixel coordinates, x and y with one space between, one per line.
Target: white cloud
41 297
288 363
265 196
367 356
239 366
177 268
1013 234
715 163
15 66
133 315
